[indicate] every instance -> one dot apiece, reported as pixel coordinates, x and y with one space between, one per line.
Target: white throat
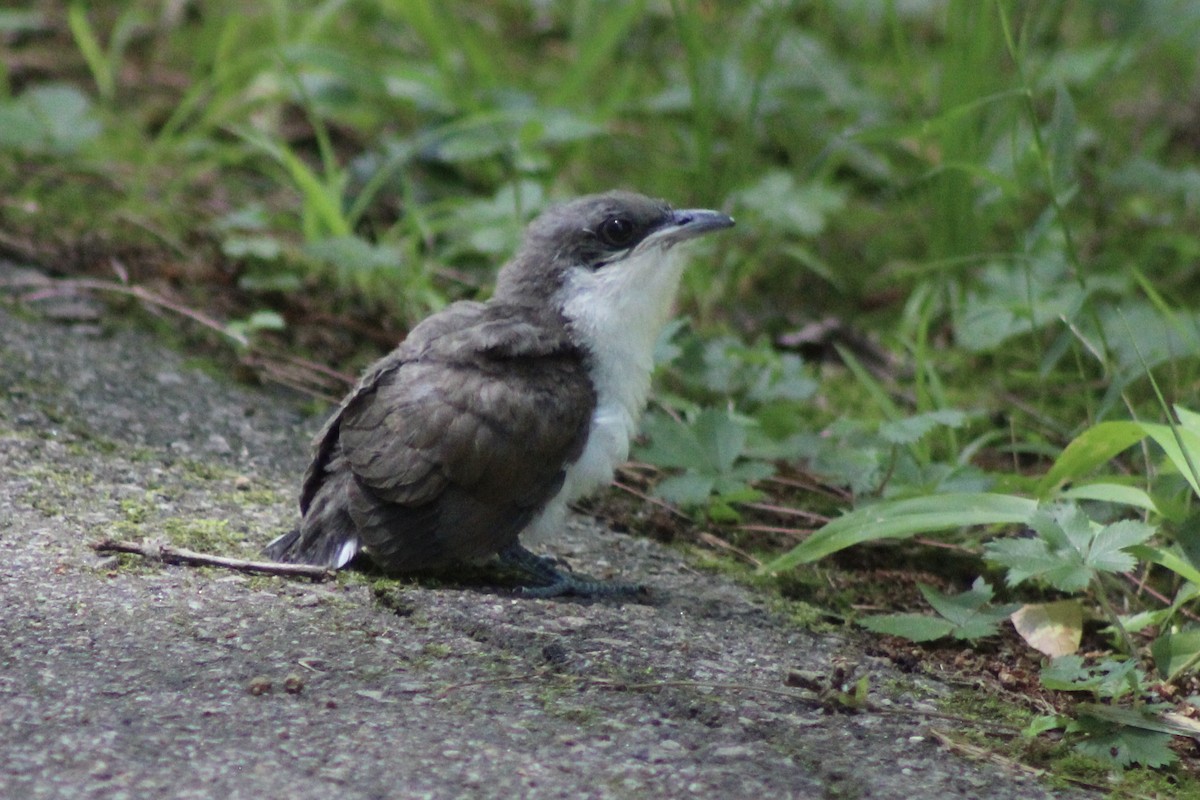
617 312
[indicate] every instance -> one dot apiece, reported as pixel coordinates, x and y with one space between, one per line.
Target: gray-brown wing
451 459
435 332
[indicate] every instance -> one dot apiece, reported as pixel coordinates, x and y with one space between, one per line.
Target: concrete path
123 679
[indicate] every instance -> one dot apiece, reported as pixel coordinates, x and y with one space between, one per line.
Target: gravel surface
122 678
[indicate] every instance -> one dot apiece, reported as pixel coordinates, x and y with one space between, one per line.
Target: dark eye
617 232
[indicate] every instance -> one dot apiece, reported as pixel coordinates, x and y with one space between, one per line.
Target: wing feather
458 438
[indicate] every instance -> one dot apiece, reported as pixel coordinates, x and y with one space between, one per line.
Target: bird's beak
688 223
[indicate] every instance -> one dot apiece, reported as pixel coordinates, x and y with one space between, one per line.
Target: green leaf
52 118
1033 558
91 49
1062 135
672 444
1109 678
1122 736
900 519
911 430
722 438
709 449
1188 419
969 611
688 489
966 615
1176 652
1182 446
1169 559
354 260
1116 493
785 205
1069 550
1001 307
261 248
1108 548
1044 723
914 627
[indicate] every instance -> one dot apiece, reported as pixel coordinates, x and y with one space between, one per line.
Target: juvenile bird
490 417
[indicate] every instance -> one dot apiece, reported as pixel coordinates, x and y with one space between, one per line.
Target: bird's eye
617 232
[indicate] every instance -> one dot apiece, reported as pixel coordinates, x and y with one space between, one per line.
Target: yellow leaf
1050 628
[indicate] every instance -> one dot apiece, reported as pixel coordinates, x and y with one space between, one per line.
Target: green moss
258 497
135 512
203 470
202 535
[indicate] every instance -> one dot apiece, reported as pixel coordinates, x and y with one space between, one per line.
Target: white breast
617 313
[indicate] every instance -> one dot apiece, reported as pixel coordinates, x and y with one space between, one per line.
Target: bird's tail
323 548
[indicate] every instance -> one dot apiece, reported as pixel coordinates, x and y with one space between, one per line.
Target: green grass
998 202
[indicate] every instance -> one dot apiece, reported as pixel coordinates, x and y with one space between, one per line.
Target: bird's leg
551 582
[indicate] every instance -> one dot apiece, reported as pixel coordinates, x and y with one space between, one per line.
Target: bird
490 417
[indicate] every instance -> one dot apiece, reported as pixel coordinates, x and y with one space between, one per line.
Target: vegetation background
961 302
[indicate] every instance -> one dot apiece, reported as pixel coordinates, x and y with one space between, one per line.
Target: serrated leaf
53 118
1125 746
912 429
965 615
1122 736
750 471
1107 550
1066 673
1069 550
1033 558
1063 527
914 627
788 380
968 612
1054 629
1109 678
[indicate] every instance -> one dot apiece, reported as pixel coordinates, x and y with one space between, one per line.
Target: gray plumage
466 434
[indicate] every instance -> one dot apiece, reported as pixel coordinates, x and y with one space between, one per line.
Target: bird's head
603 245
607 264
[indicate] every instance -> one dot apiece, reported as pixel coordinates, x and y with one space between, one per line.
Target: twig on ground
650 499
796 534
785 511
309 377
717 543
177 555
810 483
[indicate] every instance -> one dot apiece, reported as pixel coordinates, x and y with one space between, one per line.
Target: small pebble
259 685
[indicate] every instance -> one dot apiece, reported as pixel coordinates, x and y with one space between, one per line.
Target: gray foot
549 581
